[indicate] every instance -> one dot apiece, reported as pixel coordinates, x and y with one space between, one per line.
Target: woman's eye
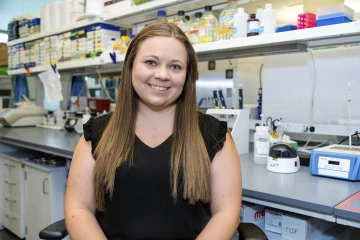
176 67
150 62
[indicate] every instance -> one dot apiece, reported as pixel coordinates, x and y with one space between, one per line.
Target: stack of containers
77 8
13 30
45 51
34 26
27 49
22 53
334 15
78 44
65 47
16 58
11 56
36 52
55 49
98 38
24 28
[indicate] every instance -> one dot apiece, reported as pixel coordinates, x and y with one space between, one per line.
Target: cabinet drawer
11 186
12 203
13 223
11 169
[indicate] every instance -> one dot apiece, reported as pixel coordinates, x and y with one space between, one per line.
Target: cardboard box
3 54
299 227
252 213
273 220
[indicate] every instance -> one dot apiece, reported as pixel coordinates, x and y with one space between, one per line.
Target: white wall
11 8
288 84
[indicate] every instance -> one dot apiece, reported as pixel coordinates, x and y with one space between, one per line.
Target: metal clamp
11 201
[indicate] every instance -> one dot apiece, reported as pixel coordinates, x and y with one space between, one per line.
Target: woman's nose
162 73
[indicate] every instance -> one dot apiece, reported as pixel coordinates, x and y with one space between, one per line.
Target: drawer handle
8 217
8 165
10 183
44 186
11 201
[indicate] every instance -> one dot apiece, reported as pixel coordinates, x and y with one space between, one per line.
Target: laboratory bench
299 192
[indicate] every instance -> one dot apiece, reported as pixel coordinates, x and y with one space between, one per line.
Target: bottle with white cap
268 20
240 23
261 144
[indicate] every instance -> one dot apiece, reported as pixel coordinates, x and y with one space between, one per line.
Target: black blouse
142 206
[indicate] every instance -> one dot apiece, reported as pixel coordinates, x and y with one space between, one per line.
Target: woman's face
159 71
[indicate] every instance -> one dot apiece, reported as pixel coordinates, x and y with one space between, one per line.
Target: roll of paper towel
94 8
65 12
45 18
55 14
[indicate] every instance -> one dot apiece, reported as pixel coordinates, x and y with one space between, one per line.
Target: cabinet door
38 197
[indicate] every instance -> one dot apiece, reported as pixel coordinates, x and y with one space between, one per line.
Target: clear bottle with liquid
208 26
180 18
161 16
261 144
194 29
226 21
182 23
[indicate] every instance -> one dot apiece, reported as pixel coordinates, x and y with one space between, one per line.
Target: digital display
334 162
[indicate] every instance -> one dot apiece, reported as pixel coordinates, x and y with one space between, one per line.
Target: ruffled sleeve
213 132
94 129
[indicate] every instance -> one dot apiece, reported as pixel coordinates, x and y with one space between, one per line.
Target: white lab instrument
336 161
239 125
261 144
26 114
283 159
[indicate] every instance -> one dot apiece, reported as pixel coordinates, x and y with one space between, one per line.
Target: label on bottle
253 27
202 32
226 31
261 29
194 32
203 23
225 18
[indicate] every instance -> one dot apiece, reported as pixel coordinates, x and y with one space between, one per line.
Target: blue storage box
332 21
34 22
285 28
335 15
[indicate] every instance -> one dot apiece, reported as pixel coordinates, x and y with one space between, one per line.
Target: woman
156 168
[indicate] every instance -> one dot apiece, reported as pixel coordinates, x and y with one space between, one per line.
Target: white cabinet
45 197
12 199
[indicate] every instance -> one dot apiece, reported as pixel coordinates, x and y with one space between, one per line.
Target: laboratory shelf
67 28
102 62
279 43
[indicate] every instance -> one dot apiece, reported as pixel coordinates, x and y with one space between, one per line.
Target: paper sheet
52 85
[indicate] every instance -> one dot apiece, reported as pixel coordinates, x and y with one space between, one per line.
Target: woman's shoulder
94 128
213 132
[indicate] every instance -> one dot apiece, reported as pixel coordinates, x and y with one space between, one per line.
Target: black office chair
57 231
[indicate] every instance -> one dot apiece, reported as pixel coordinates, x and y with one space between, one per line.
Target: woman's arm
226 190
79 202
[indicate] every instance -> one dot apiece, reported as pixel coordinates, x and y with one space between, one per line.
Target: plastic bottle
253 25
194 29
240 23
268 20
161 16
226 21
259 14
208 26
262 144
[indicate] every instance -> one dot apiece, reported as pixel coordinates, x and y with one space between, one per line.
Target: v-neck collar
156 147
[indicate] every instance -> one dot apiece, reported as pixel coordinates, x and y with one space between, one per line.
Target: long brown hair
189 164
